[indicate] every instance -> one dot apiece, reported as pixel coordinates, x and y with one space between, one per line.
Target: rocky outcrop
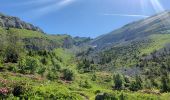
14 22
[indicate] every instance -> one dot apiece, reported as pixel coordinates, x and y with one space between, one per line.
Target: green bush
118 80
106 96
137 84
41 70
68 74
165 84
32 64
85 84
22 65
28 65
52 76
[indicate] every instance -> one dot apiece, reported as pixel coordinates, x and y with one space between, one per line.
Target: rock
14 22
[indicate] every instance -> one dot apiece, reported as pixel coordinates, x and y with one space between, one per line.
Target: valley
130 63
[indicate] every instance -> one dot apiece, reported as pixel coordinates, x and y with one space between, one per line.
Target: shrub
18 91
97 91
165 84
94 77
12 67
52 76
106 96
11 55
56 67
137 84
41 70
118 80
28 65
1 65
44 61
32 64
4 92
68 75
85 84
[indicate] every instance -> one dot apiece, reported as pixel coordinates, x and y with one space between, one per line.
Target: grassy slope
158 42
128 54
45 40
44 88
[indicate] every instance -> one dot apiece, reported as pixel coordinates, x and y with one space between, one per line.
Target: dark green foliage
11 55
85 84
22 65
127 82
86 66
18 91
118 80
137 84
28 65
32 64
44 61
52 76
165 84
68 75
94 77
12 49
41 70
106 96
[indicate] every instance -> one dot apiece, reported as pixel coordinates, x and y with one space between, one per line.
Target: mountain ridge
158 23
15 22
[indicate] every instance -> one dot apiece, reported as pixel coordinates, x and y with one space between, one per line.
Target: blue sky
82 17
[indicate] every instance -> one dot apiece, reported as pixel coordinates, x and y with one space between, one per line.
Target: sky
85 18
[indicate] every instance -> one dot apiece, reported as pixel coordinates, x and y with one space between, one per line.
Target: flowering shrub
4 91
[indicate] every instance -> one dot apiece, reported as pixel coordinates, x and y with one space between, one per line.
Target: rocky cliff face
14 22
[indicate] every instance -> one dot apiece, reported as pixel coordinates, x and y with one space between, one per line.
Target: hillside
157 24
125 47
38 66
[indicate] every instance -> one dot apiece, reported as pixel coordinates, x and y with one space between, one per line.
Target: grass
44 88
158 42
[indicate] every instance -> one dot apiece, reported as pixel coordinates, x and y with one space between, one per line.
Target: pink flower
4 91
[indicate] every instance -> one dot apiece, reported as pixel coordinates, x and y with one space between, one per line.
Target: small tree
22 65
118 80
85 84
28 65
137 84
32 64
13 48
68 75
165 84
41 70
52 76
94 77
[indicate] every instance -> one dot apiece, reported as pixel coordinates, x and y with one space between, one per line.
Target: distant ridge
14 22
157 24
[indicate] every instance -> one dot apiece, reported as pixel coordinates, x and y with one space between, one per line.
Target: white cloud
57 5
127 15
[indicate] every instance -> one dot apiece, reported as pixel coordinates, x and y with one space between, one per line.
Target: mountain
132 44
33 37
157 24
41 66
14 22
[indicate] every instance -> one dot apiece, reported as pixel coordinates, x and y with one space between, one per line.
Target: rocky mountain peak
15 22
